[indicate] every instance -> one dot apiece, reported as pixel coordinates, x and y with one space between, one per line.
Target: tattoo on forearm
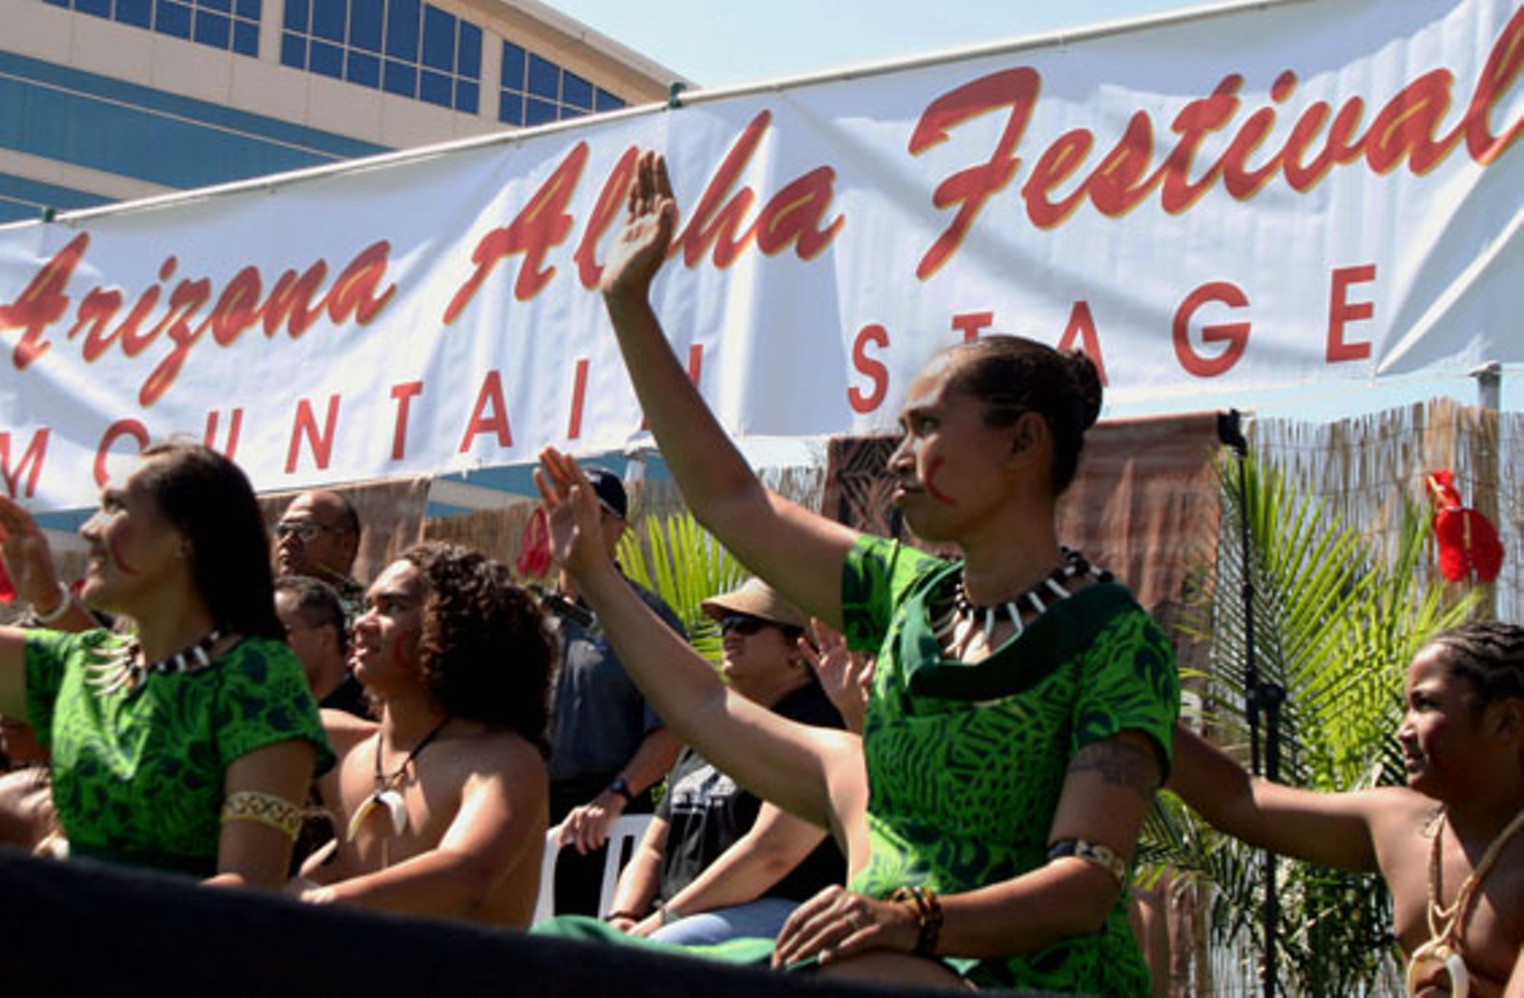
1121 763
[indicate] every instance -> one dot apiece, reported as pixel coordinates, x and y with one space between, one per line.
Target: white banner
1282 195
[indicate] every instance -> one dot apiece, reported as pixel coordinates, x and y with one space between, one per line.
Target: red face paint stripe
121 563
931 484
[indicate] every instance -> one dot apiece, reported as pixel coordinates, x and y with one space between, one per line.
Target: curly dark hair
1488 654
485 650
1012 375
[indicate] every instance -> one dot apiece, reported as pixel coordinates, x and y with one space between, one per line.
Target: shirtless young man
1450 844
441 807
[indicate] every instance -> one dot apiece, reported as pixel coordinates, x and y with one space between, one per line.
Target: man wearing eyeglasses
318 536
608 747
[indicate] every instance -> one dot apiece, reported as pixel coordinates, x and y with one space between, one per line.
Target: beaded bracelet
928 917
65 600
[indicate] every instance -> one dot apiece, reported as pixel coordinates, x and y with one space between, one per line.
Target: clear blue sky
724 42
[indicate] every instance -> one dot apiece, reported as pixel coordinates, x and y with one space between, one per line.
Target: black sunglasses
743 624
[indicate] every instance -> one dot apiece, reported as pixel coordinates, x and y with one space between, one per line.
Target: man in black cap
608 747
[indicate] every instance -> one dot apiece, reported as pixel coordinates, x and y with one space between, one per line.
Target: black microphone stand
1259 695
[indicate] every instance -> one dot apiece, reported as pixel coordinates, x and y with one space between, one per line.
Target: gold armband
1093 853
251 805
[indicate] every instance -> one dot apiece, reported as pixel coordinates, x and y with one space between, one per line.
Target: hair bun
1087 379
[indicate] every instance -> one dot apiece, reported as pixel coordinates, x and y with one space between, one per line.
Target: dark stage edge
84 929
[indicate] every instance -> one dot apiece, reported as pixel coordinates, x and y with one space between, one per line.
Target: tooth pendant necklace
958 617
1447 925
105 674
386 795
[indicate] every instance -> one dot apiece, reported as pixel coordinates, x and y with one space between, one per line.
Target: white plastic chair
624 835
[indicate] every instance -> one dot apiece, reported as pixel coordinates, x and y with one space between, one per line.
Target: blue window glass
172 18
293 50
246 38
135 12
249 9
297 14
58 3
212 29
576 91
363 69
438 39
567 111
400 79
468 57
544 78
402 29
365 20
510 108
467 96
513 66
224 6
607 101
328 19
326 59
100 8
539 112
436 88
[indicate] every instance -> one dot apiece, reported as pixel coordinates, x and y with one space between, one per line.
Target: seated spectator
1450 844
318 536
716 863
313 615
187 746
609 748
442 806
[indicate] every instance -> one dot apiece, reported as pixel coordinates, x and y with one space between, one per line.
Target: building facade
107 100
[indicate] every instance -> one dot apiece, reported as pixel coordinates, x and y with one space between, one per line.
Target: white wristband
65 599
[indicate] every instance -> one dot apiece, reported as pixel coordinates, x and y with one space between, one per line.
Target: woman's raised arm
797 551
773 757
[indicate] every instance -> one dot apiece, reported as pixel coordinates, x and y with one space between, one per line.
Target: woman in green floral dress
187 746
1021 713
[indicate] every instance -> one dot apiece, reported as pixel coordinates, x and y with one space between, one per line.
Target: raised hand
641 245
576 542
27 556
844 675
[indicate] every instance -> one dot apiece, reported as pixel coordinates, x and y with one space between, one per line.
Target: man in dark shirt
608 747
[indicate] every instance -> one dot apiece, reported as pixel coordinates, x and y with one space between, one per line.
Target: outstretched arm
777 759
1326 828
795 550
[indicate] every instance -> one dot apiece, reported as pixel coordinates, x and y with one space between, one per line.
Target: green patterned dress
966 762
138 773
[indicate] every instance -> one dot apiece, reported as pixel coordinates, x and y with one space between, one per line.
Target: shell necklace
959 616
386 795
107 675
1447 924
